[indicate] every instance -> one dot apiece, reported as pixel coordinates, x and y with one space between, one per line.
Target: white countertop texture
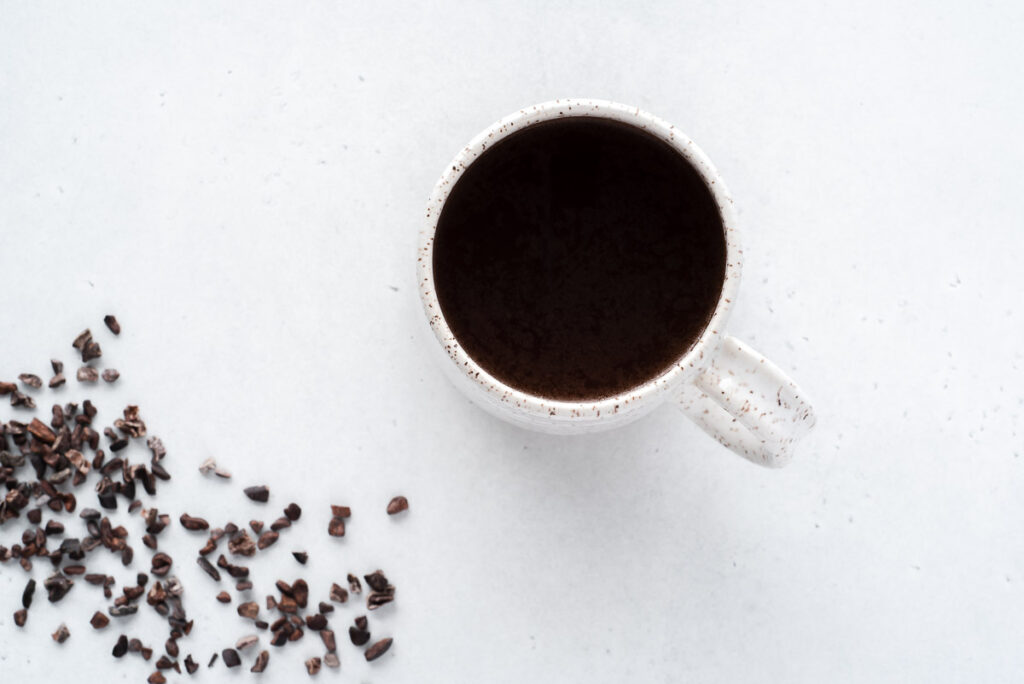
242 184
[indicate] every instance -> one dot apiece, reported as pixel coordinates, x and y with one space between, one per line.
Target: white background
242 183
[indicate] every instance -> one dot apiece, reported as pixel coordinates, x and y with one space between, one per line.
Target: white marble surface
242 185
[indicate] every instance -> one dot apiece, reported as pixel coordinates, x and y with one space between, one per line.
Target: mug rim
683 369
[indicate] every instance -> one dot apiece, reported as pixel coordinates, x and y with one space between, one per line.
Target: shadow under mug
730 390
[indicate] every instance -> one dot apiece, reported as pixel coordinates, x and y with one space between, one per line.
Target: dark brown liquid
578 258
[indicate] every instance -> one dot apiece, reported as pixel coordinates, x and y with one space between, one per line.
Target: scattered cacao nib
236 571
242 544
230 657
131 424
338 593
378 649
358 636
377 581
378 599
194 524
62 634
41 431
247 641
22 400
161 564
261 662
57 420
249 609
156 521
20 616
259 493
91 350
300 591
56 450
287 605
266 539
134 593
159 471
208 568
336 527
123 611
87 374
397 505
156 446
57 586
28 593
30 380
112 324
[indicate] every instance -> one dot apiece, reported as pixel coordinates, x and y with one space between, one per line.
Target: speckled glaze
731 391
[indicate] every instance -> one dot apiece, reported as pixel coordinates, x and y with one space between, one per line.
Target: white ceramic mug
735 394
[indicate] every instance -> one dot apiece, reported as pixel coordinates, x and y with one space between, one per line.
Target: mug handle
748 404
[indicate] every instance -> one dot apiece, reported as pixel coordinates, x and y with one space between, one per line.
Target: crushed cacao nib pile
49 465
